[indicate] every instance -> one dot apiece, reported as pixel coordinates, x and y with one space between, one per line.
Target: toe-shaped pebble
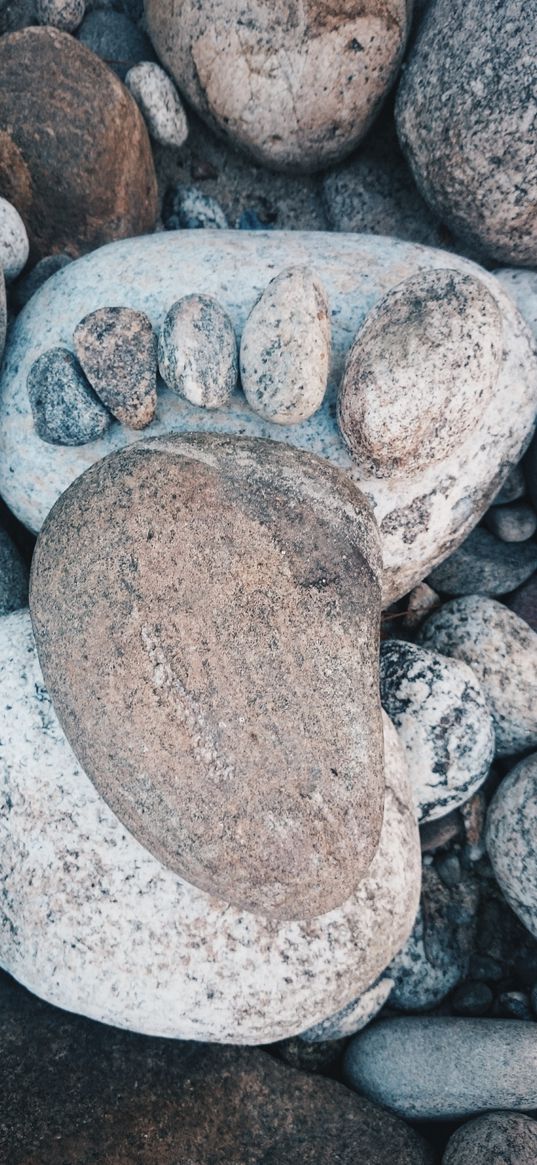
64 407
197 352
117 349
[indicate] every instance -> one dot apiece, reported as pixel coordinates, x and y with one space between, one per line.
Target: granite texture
498 1138
13 576
422 519
512 840
117 349
485 565
197 352
159 103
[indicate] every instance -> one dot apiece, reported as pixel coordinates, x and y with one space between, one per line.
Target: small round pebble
197 352
513 488
512 839
159 103
64 406
117 349
499 1138
285 348
114 38
449 869
512 523
472 999
484 565
63 14
188 208
14 245
28 284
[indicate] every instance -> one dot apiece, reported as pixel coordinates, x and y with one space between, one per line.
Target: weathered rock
84 178
464 123
512 523
485 565
197 968
197 352
499 1138
352 1018
64 407
117 349
14 245
13 576
421 518
159 102
116 39
63 14
441 714
285 348
438 1068
296 87
28 284
422 367
501 650
512 840
249 673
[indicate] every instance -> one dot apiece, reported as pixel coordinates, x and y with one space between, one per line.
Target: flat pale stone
512 840
421 519
97 925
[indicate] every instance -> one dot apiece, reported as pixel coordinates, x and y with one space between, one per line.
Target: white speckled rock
159 103
285 348
440 711
438 1067
421 519
96 925
511 839
14 245
501 650
64 14
352 1018
197 352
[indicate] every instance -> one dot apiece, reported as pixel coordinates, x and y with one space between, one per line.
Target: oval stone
207 615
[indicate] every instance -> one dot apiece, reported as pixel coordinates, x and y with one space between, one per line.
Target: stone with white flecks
511 840
197 352
64 14
159 102
14 245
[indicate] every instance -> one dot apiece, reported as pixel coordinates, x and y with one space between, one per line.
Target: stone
511 840
64 407
188 208
115 39
14 245
29 283
250 672
438 834
523 602
197 352
530 467
197 968
17 14
84 179
513 1005
63 14
512 523
285 348
295 88
421 601
472 999
352 1018
159 102
3 314
13 576
484 565
117 349
501 650
513 488
441 714
463 122
443 1067
422 366
498 1138
421 519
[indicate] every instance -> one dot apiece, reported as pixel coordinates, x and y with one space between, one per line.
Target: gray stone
512 523
13 576
14 245
442 1068
485 565
441 714
513 488
17 14
472 999
511 839
64 407
28 284
197 352
114 38
64 14
499 1138
159 102
285 348
501 650
117 349
188 208
354 1017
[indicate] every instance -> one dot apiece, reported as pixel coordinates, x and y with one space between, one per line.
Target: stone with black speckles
512 523
498 1138
188 208
501 650
467 123
511 839
441 714
285 348
64 14
485 565
64 406
197 352
117 349
159 103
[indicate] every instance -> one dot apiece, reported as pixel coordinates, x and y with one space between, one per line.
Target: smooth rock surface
64 407
485 565
13 576
216 672
125 941
421 519
117 40
512 523
441 714
512 840
499 1138
117 349
296 87
14 245
441 1068
501 650
468 127
159 103
197 352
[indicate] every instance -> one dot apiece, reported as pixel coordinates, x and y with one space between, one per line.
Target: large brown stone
75 157
206 612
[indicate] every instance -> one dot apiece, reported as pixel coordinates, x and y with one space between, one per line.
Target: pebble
63 14
523 602
64 407
197 352
443 1068
473 814
17 14
420 371
285 348
14 245
117 349
472 999
513 1005
463 123
188 208
512 839
354 1017
440 711
449 869
499 1138
485 565
420 603
485 969
28 284
512 523
159 102
513 488
435 835
13 576
501 650
116 39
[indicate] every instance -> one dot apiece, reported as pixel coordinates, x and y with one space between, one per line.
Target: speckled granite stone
499 1138
512 840
94 923
421 520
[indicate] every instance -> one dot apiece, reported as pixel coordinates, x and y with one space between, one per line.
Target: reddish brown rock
206 611
75 157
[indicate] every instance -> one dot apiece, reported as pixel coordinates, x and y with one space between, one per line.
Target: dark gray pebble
114 38
484 565
27 285
472 999
13 576
64 406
